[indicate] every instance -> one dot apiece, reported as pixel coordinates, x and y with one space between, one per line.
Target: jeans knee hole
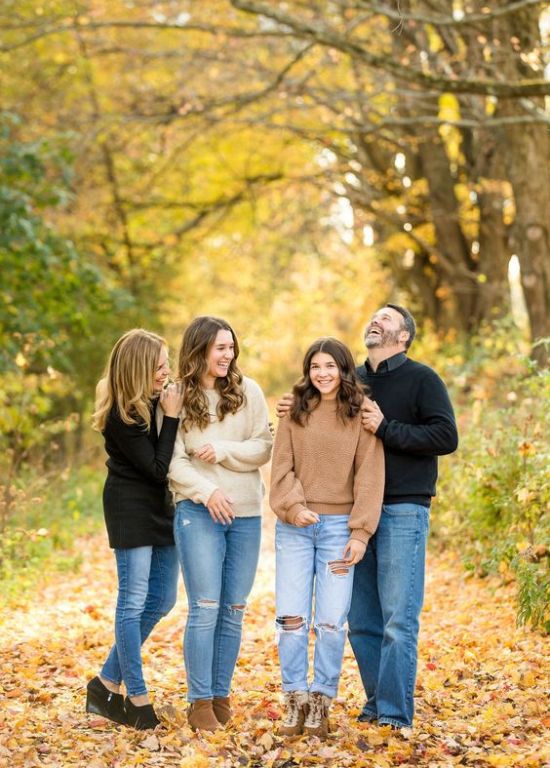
339 567
291 623
207 604
327 627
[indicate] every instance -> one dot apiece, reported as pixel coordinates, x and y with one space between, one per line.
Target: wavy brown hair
128 379
196 343
349 397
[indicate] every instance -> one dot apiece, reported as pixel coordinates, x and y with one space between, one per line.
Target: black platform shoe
142 718
101 701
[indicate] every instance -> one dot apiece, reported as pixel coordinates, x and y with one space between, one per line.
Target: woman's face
220 355
325 375
162 372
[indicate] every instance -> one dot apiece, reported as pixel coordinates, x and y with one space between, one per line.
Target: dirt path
481 689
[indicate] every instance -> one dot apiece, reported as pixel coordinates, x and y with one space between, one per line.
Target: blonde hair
128 379
197 341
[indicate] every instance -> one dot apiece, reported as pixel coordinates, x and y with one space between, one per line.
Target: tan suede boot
222 709
201 717
316 723
296 710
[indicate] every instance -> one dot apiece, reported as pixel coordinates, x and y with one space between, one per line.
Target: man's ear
404 336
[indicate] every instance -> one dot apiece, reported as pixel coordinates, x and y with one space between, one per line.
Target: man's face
385 329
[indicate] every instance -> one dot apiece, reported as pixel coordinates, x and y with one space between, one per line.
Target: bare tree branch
442 20
319 33
60 29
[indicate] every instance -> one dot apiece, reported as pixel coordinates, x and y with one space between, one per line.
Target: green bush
494 495
52 513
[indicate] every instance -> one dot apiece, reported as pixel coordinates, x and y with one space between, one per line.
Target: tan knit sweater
328 467
242 442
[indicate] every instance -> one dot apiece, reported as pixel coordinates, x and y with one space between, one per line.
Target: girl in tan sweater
327 486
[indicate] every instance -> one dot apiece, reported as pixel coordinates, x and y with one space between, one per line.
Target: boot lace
293 708
317 710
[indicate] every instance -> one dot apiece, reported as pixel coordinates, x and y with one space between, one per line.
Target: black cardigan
418 426
136 501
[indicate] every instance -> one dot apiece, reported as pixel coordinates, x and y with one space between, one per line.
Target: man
410 411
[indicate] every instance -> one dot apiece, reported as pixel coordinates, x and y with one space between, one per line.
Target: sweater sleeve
185 479
248 454
435 433
368 487
286 495
134 444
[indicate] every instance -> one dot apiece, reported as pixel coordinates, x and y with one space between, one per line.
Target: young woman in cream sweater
223 440
327 482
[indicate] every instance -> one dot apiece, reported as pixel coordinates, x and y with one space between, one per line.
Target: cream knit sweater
242 442
328 467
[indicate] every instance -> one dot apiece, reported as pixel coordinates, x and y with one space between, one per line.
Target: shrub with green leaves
494 495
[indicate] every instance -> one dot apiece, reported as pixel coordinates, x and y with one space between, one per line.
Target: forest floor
482 692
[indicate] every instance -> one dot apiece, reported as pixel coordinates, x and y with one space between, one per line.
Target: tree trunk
526 151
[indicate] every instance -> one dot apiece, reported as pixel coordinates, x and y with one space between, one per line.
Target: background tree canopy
258 143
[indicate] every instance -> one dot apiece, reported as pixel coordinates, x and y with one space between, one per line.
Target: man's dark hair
408 322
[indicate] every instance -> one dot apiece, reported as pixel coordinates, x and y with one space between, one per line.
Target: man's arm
435 432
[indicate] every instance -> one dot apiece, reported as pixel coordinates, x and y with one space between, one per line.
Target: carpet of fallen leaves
481 697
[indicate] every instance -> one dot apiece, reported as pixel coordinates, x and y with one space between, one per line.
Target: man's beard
384 339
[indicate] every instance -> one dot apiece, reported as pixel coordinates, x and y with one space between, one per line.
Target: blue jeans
388 593
147 591
218 563
304 556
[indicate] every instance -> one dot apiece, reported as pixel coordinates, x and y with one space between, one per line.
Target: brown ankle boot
201 717
296 711
222 709
316 723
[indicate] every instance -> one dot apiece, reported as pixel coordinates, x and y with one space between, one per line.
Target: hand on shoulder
284 404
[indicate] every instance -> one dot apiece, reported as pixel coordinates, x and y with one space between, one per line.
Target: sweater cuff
292 513
381 431
220 450
360 534
203 494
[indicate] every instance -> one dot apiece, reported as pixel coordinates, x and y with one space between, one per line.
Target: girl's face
162 372
325 375
219 356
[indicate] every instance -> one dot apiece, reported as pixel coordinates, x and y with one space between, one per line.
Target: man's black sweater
418 426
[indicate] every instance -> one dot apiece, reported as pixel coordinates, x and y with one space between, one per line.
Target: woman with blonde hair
138 416
223 440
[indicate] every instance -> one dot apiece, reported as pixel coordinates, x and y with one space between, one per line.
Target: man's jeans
387 599
302 556
218 564
147 591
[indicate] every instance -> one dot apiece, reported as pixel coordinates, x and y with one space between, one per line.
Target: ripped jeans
306 560
218 563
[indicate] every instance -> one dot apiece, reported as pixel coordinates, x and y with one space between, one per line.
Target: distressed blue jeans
306 564
218 563
147 591
388 593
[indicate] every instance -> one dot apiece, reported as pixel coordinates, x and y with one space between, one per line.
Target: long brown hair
128 379
349 397
196 343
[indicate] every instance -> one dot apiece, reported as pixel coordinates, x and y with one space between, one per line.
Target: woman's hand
284 404
206 453
220 506
354 551
306 517
171 400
